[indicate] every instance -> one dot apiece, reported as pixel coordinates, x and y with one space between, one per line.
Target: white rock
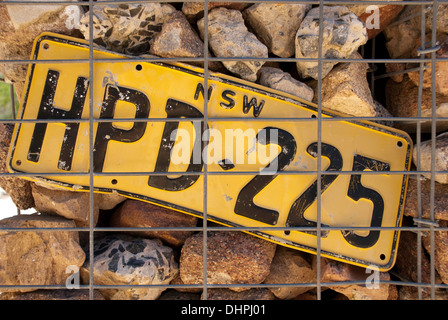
343 33
276 25
229 37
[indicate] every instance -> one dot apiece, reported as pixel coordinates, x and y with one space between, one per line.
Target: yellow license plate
151 137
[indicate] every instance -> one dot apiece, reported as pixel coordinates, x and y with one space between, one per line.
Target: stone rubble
235 29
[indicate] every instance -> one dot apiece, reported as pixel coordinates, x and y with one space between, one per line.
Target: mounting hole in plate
45 46
114 181
18 162
382 256
138 67
313 116
399 144
287 232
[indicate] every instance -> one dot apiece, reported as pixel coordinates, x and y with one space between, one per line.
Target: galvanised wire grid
427 54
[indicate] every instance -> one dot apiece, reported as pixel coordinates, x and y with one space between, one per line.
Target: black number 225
246 207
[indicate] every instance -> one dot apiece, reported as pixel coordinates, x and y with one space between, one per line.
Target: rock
195 10
18 189
345 89
440 250
276 25
178 39
397 68
126 28
411 293
441 72
21 24
441 19
228 37
125 260
400 37
334 271
376 17
108 201
254 294
402 101
178 281
57 294
277 79
440 199
440 153
37 257
343 33
290 266
407 260
69 204
23 16
232 258
134 213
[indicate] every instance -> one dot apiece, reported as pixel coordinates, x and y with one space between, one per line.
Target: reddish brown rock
440 250
177 39
69 204
290 266
134 213
386 14
402 101
440 200
441 72
372 288
38 257
232 258
406 264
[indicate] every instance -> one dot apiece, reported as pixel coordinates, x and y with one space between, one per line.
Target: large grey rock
126 28
126 260
277 79
343 33
37 257
229 37
276 24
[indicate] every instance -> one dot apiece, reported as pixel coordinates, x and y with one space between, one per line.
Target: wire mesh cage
362 73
